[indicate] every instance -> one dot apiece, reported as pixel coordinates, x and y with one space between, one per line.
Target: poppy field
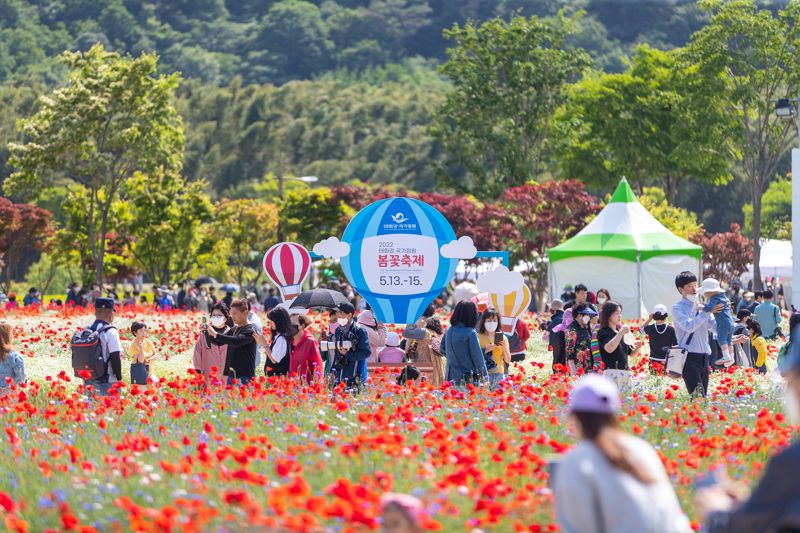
284 456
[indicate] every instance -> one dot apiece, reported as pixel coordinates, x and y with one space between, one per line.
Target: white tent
776 261
626 251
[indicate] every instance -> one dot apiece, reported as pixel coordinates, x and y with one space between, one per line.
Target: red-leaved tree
545 214
23 227
726 255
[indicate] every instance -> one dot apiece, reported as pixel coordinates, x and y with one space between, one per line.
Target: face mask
792 408
491 327
217 321
691 297
601 300
586 319
342 321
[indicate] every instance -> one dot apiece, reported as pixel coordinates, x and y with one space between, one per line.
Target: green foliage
679 221
653 123
50 272
114 117
776 211
166 217
310 215
749 56
508 80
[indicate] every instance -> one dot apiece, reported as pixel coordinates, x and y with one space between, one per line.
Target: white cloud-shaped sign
463 248
500 281
332 248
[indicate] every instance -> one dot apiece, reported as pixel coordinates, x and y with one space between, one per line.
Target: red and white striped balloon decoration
287 265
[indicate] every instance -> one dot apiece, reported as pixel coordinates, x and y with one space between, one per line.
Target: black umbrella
319 298
205 280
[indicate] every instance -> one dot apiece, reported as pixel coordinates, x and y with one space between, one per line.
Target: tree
679 221
776 211
726 255
751 56
113 118
23 227
653 123
545 214
311 215
508 80
167 212
248 229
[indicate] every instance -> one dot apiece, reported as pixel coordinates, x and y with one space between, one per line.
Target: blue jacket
463 352
360 351
12 367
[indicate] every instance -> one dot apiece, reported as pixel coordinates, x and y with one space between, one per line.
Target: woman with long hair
578 339
278 359
11 363
305 360
494 345
611 482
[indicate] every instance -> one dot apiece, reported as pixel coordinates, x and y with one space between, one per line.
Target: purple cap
595 394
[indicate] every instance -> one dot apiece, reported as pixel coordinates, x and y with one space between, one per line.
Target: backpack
88 353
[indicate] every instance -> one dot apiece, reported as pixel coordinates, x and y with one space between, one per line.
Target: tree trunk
101 253
91 228
756 189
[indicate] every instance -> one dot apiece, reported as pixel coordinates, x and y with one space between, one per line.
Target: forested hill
268 41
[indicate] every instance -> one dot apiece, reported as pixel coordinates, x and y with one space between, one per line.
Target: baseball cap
660 309
346 308
595 394
392 339
104 303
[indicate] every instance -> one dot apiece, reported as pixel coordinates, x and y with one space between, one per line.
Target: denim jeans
495 380
98 389
243 380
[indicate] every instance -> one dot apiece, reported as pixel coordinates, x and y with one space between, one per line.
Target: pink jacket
391 354
206 358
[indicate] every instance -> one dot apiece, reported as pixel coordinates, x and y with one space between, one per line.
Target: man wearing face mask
352 347
692 326
774 505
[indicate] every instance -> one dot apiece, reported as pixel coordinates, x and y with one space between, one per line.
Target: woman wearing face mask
579 339
494 345
773 505
603 296
282 331
305 361
208 355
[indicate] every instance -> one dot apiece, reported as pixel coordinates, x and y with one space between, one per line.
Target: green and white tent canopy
626 251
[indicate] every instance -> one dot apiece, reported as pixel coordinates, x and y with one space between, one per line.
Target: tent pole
639 281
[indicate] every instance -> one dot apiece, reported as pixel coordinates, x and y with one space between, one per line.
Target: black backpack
87 352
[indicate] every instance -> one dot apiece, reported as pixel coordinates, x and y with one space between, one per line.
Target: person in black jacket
352 347
774 505
279 350
240 363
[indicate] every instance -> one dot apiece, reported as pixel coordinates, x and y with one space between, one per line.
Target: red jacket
305 359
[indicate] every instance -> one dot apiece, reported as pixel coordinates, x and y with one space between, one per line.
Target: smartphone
552 467
204 319
498 337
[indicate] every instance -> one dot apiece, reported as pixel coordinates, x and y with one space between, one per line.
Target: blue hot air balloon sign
394 260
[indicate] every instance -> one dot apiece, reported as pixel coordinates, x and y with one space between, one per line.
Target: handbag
676 359
139 373
741 358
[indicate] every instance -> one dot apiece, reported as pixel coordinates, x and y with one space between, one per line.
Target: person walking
305 360
462 348
769 316
494 345
611 482
11 363
692 327
560 320
240 361
209 359
278 361
614 351
578 339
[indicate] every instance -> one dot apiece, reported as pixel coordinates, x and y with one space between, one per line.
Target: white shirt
279 349
110 342
592 496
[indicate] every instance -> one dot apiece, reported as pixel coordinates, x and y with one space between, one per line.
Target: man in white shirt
112 348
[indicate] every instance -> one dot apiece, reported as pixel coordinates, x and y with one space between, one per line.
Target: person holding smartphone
494 345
